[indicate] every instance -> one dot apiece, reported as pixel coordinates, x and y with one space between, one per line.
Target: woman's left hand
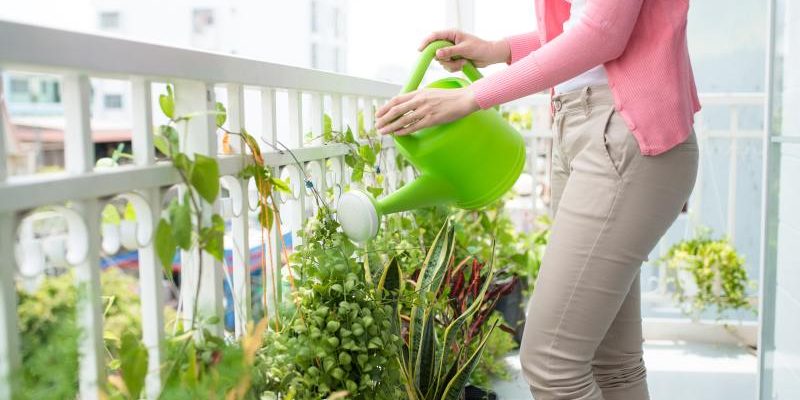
422 108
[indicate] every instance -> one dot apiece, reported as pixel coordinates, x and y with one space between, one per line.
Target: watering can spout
359 213
469 162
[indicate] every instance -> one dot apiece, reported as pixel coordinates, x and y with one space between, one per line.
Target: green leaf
375 191
348 136
180 217
182 162
425 365
266 217
222 114
327 128
367 153
130 212
166 140
167 103
280 184
133 364
110 215
454 385
165 245
212 237
205 177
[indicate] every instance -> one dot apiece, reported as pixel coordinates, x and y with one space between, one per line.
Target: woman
624 163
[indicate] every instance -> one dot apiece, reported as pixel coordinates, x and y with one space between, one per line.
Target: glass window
18 86
112 101
109 20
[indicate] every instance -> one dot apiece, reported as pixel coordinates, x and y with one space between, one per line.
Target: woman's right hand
467 47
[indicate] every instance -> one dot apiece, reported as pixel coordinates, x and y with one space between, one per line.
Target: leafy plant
50 333
339 341
714 268
493 364
434 368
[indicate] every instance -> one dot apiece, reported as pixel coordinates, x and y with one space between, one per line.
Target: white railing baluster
336 112
733 170
317 119
351 113
298 207
79 159
272 251
9 333
201 138
150 270
369 113
239 224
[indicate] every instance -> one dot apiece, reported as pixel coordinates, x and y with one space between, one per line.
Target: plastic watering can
468 163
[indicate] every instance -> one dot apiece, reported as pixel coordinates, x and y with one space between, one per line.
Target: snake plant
434 364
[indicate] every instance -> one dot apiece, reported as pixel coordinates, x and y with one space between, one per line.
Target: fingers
393 102
453 66
414 126
448 34
397 112
406 120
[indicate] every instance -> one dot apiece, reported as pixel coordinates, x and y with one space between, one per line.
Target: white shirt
594 76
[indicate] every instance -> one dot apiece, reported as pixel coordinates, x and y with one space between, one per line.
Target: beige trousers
611 204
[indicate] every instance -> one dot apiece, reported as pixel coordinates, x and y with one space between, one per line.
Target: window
112 101
109 20
18 86
314 16
202 20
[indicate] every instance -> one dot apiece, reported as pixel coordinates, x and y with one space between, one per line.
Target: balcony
288 110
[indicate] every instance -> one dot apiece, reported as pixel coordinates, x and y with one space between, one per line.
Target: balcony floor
676 370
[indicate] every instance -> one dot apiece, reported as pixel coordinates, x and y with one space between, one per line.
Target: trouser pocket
618 143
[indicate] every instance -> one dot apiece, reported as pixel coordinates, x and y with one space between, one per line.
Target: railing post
336 112
273 248
295 141
79 159
201 138
240 287
9 331
150 271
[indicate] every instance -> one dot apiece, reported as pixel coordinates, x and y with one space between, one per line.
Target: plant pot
476 393
512 306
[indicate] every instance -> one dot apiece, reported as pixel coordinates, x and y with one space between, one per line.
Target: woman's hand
422 108
467 47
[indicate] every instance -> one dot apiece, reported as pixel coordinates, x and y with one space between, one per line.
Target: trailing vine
715 269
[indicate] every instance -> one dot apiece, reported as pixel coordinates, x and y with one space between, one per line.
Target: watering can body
468 163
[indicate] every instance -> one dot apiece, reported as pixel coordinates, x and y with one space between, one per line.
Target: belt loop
586 93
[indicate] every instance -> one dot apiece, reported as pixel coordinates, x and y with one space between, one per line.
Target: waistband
582 99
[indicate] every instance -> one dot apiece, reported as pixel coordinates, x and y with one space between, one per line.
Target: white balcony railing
79 193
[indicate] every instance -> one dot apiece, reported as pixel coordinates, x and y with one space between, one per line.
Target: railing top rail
43 49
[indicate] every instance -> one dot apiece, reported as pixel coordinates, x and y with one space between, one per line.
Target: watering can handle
425 61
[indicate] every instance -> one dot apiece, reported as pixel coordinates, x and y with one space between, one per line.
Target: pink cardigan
641 43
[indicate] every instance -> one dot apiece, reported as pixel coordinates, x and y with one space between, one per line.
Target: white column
240 287
733 170
9 334
79 159
201 139
150 270
297 208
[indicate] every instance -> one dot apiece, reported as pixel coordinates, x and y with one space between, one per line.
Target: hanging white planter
111 240
55 250
128 234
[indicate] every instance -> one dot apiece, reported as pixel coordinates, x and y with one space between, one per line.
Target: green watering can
469 163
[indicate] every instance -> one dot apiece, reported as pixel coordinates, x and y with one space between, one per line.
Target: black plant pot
476 393
512 306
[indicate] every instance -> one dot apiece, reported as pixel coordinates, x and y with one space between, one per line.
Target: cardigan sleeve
522 45
600 36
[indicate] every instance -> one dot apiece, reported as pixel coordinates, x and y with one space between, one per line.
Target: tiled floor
677 370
